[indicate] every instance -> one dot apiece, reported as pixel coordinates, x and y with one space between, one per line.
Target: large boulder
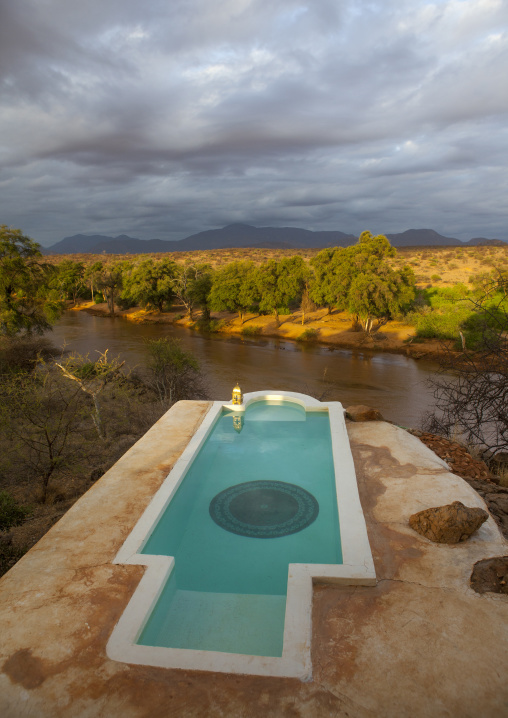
363 413
448 524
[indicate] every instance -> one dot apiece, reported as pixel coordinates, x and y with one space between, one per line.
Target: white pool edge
357 567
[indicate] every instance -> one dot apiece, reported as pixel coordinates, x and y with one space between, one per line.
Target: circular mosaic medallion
264 509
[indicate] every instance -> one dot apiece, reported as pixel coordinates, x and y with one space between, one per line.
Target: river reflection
394 384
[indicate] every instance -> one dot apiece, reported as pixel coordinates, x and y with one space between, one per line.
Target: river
392 383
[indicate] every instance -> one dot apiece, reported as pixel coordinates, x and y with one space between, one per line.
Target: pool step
250 624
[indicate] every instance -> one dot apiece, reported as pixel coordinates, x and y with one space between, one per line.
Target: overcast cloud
164 118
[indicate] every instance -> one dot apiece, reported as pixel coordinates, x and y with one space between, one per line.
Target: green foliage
11 513
20 355
253 330
435 278
191 285
39 415
309 335
69 279
173 371
448 311
440 324
149 284
110 283
9 555
234 289
26 304
92 274
216 325
92 377
280 283
325 284
359 279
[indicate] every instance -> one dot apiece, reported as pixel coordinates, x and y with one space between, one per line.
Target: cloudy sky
163 118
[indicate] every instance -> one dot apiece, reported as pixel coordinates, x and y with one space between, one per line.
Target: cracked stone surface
421 643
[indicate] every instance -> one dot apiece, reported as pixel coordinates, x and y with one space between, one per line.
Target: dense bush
11 513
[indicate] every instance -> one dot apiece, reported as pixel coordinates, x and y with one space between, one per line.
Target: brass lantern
237 395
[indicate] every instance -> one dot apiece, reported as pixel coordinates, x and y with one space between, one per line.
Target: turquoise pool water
259 495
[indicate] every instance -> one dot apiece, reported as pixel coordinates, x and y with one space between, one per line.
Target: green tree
280 283
184 284
380 295
92 377
92 273
235 289
150 284
306 303
173 372
41 417
26 304
110 282
374 290
200 292
70 279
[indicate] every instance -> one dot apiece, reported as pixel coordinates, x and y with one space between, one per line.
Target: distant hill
422 238
245 235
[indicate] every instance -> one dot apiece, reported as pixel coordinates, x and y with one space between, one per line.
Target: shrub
251 331
436 278
9 555
309 335
216 325
11 513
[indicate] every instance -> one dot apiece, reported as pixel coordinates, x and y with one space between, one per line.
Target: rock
465 465
448 524
363 413
490 574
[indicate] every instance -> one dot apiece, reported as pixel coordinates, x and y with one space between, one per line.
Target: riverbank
335 330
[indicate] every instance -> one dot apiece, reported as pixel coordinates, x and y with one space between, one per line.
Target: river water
394 384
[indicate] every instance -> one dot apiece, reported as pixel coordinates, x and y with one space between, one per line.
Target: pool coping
357 567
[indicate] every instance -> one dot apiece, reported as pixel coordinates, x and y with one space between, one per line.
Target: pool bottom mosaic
264 509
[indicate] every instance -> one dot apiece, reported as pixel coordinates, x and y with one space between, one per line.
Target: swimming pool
243 524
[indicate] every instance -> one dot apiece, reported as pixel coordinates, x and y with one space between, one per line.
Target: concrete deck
420 643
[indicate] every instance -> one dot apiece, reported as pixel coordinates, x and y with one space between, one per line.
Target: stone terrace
420 643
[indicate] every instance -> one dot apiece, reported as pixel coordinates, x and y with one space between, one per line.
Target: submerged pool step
251 624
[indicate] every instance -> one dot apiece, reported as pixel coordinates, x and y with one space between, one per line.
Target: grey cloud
162 119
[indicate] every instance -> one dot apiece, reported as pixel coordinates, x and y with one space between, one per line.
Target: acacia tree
110 282
200 293
306 303
234 289
279 283
378 296
184 284
92 377
359 279
92 273
42 418
70 278
173 372
150 284
375 291
26 304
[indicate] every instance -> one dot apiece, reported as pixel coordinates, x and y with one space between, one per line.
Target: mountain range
245 235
